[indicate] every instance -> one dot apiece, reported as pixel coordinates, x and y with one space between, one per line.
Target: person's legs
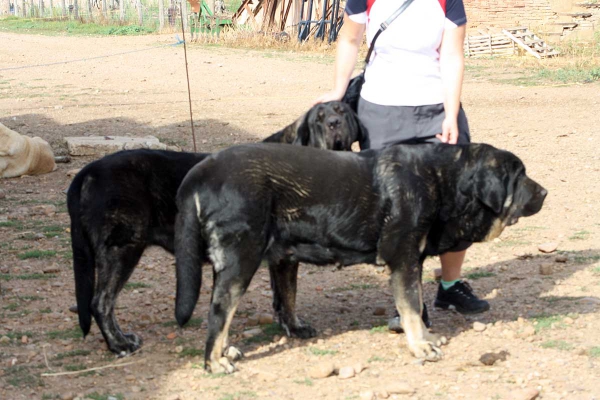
453 293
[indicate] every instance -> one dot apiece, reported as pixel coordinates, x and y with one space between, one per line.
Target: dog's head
332 126
497 189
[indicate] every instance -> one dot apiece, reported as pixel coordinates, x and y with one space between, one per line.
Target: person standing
411 93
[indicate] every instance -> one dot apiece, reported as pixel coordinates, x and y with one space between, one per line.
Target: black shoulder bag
355 85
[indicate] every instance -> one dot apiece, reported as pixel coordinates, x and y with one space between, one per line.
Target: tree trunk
76 9
64 7
23 8
122 10
89 10
140 12
104 8
51 8
161 15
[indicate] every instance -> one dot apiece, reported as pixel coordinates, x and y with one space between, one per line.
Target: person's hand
449 131
333 95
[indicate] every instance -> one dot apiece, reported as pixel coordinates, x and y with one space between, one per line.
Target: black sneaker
395 325
460 297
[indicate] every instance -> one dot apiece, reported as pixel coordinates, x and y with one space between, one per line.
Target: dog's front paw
302 331
437 340
220 366
426 350
233 354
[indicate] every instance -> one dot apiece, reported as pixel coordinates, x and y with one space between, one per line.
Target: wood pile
489 45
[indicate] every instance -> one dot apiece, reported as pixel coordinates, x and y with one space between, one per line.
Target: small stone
322 370
399 388
568 320
67 396
251 333
437 274
478 326
561 259
368 395
4 339
328 332
252 321
549 247
379 310
265 319
512 134
178 349
526 394
491 358
283 340
383 394
358 368
53 269
528 331
346 373
24 339
130 378
74 309
546 269
172 335
73 172
136 389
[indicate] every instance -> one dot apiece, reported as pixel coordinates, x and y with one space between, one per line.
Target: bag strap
384 26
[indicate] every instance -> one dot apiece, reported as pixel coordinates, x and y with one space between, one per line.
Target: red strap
443 4
371 2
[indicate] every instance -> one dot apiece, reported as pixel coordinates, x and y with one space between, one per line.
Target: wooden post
490 44
140 12
161 15
4 7
184 14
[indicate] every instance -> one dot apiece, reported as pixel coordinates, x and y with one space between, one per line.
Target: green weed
320 352
557 344
37 254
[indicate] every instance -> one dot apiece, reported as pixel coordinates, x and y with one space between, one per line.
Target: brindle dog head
497 185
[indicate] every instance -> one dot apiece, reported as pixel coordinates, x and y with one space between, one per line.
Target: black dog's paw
303 331
130 343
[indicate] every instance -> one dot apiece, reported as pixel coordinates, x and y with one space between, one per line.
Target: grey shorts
389 125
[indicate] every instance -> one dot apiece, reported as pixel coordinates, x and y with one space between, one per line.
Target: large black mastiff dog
125 202
285 205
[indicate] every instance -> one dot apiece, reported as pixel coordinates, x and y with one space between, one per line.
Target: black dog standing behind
398 205
125 202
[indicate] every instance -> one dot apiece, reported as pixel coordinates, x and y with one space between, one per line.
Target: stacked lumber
496 45
265 15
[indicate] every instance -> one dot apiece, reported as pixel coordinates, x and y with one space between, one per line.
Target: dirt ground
544 306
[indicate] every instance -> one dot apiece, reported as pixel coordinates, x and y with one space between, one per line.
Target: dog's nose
333 121
543 193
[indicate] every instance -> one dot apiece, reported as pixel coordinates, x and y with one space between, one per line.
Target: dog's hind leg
114 266
284 279
232 278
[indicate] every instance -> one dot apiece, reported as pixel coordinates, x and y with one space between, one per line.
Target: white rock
346 373
478 326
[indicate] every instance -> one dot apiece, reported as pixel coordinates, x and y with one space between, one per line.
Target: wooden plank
521 44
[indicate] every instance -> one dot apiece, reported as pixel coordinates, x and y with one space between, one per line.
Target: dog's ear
488 183
302 130
289 134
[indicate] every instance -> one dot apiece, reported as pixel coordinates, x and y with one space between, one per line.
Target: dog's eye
321 115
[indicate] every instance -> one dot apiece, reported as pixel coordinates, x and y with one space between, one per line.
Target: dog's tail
190 250
84 265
